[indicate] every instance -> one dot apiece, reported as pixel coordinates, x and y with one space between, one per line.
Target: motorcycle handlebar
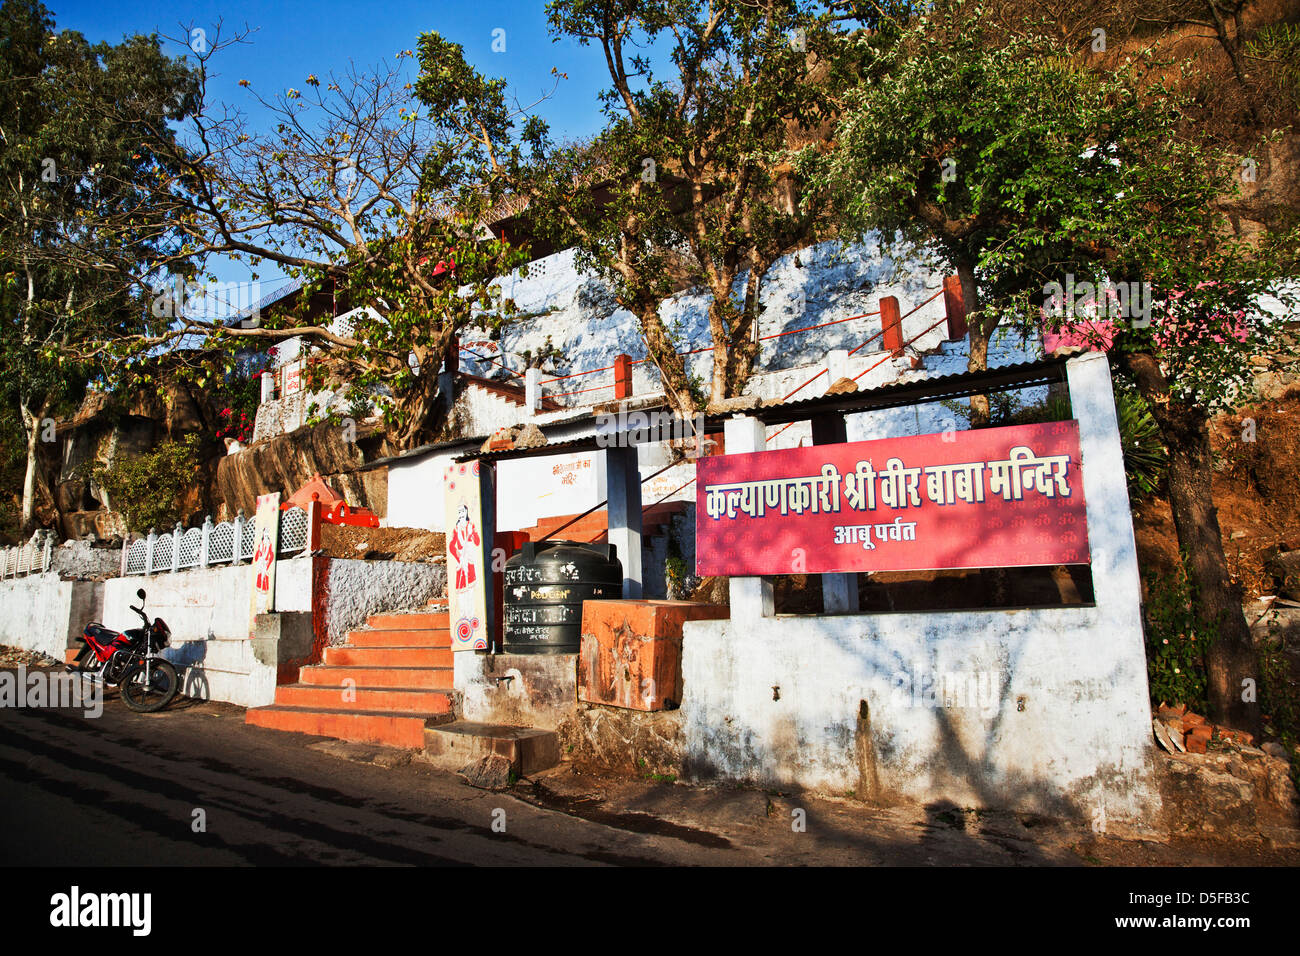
140 610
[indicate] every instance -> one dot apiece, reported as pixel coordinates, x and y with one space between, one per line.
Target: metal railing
34 557
227 542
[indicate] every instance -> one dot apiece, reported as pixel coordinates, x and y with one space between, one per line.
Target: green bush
1176 643
1279 698
1144 452
148 489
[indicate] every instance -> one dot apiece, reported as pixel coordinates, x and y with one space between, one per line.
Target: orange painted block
406 637
395 622
427 656
632 651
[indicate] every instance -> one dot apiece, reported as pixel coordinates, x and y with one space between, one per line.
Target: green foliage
147 489
82 128
1176 643
1145 459
1019 165
1008 408
1279 692
239 398
694 166
1278 45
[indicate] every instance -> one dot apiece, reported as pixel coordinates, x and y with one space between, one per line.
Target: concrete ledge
528 690
452 746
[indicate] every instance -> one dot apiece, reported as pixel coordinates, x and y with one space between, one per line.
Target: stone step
386 699
424 620
451 746
423 678
401 637
401 656
368 727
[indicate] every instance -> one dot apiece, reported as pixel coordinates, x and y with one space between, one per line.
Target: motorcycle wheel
163 685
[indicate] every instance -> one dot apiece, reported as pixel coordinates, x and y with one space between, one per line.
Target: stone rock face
105 430
283 464
1238 789
627 740
530 436
491 772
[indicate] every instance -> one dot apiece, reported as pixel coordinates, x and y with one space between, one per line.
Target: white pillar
1110 517
268 386
177 534
239 536
837 365
623 480
205 542
533 390
751 597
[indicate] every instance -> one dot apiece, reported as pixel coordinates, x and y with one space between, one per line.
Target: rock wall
284 463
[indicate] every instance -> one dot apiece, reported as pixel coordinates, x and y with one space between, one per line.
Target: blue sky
295 39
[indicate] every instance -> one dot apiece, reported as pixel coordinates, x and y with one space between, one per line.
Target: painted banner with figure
468 568
988 498
266 526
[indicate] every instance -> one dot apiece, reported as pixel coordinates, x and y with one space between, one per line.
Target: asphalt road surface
195 785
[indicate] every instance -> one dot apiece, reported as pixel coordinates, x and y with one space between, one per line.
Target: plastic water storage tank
546 583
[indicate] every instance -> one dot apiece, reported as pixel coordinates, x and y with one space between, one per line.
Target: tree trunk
978 359
672 367
1231 658
33 425
734 348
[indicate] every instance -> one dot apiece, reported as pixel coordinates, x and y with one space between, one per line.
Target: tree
1064 176
81 130
367 195
1192 359
692 181
990 154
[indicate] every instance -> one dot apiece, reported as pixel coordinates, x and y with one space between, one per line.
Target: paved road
128 788
125 788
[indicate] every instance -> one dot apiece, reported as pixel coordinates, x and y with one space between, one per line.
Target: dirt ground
386 544
1254 492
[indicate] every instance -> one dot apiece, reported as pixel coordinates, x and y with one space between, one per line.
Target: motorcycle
130 660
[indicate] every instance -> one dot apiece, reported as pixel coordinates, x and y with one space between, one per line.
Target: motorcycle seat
101 633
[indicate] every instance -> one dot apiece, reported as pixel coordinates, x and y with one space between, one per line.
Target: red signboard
989 498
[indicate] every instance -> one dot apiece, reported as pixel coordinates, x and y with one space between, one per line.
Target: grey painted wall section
1040 710
356 589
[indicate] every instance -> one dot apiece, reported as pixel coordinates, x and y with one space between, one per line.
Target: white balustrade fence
229 542
33 557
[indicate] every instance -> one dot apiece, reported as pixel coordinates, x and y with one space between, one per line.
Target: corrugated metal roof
896 394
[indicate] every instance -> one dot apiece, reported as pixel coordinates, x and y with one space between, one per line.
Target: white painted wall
1080 745
533 488
354 589
43 613
415 493
209 613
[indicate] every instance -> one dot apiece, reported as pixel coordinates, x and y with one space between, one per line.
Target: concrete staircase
382 687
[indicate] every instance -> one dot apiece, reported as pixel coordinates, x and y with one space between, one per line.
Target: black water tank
546 583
